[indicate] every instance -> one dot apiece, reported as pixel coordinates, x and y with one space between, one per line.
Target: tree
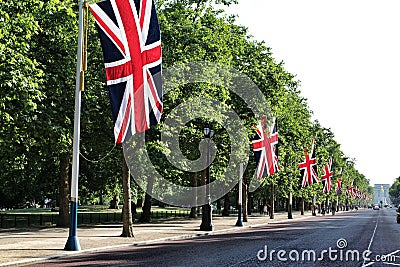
20 96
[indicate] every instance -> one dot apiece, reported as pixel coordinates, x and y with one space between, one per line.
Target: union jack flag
308 168
356 192
339 186
265 146
327 177
350 190
131 43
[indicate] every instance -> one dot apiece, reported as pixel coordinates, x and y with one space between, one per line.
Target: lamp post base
239 220
72 244
290 213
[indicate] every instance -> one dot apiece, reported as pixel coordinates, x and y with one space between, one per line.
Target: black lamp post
206 219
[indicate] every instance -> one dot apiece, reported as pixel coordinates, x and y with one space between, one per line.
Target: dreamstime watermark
151 180
339 253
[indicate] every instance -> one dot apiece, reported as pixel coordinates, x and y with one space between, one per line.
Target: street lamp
206 218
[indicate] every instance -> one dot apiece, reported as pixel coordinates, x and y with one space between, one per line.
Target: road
361 238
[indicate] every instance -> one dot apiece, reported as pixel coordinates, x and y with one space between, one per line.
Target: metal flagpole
290 211
240 201
314 198
72 242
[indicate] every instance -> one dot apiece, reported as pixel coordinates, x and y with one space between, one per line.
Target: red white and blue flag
327 177
131 43
308 168
356 192
339 186
265 146
350 190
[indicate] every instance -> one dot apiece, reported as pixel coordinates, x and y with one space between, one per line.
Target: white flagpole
72 242
240 197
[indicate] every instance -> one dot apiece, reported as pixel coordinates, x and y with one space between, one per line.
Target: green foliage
394 190
38 67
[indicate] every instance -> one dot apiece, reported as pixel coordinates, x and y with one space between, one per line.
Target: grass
91 208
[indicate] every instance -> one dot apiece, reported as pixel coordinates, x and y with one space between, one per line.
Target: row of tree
37 69
394 191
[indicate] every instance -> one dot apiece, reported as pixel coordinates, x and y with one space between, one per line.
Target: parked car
376 207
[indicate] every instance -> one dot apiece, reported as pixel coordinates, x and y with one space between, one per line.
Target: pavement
19 247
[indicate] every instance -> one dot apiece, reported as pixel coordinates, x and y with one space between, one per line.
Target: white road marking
372 239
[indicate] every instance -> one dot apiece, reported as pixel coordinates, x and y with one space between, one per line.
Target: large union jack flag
131 43
326 178
265 146
308 168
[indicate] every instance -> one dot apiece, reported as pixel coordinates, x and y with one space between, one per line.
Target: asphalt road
361 238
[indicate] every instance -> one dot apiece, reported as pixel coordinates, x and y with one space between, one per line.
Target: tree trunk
225 211
193 209
271 213
63 215
127 228
139 203
219 206
114 202
249 201
146 210
101 198
244 204
302 206
193 212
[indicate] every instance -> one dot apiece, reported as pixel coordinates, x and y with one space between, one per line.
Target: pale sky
346 54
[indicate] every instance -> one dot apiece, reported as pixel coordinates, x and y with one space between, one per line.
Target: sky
346 53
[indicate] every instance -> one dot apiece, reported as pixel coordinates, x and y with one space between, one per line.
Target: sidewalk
19 246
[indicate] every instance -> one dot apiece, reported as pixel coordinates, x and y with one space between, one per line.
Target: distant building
381 193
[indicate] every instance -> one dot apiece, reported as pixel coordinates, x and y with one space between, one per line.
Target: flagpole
314 198
72 242
240 198
290 212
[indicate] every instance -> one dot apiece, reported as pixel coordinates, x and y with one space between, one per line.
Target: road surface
360 238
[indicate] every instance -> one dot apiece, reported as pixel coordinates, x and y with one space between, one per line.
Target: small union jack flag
356 193
339 186
350 190
308 168
327 177
265 146
131 43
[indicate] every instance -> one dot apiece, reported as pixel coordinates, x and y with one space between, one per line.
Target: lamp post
206 218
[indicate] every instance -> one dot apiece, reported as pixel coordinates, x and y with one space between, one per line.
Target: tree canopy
37 69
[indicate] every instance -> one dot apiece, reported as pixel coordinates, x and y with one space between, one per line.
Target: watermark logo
152 180
341 243
335 254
